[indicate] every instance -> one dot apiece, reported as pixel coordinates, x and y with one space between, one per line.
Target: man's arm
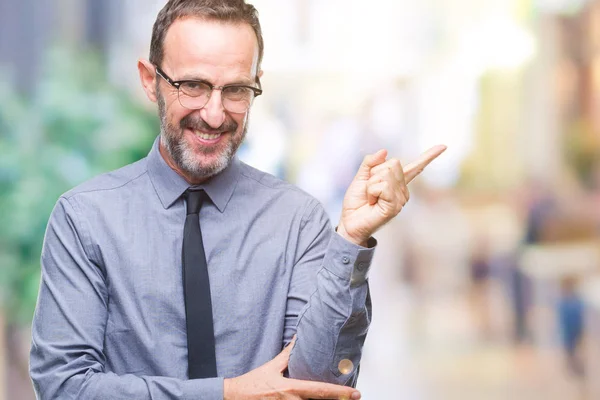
330 311
67 358
333 323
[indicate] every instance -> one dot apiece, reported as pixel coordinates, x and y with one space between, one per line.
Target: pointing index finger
412 170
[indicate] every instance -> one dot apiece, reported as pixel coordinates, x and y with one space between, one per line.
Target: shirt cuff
209 389
348 260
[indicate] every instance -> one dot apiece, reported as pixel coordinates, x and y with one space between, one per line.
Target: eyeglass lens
195 95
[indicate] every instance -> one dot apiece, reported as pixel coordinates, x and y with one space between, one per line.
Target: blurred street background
487 286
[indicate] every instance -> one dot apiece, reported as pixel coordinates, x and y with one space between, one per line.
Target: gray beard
185 158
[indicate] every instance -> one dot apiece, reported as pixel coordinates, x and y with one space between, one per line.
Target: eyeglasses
194 94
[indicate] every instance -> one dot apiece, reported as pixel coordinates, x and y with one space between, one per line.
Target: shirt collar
169 185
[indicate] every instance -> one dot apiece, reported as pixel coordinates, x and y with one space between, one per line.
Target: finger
412 170
370 161
293 341
389 192
371 196
391 167
406 194
375 191
319 390
280 362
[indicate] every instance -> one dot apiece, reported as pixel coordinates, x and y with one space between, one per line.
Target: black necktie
196 289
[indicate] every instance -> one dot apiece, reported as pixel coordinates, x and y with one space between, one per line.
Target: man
121 312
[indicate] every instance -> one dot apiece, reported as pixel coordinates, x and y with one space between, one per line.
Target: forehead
211 49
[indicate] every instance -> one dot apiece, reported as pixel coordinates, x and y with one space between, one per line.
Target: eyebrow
189 77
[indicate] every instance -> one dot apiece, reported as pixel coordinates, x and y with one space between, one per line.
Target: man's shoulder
268 182
110 181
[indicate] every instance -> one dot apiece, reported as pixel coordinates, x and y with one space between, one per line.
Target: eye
238 93
195 88
235 89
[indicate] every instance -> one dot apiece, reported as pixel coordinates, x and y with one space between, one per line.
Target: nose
213 112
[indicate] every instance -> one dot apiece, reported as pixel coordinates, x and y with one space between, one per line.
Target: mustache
196 122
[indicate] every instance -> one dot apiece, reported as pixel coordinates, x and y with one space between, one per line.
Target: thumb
282 359
370 161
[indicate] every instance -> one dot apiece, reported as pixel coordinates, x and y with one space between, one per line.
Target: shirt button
346 260
361 266
345 366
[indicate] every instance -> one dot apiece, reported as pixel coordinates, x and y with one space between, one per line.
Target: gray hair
232 11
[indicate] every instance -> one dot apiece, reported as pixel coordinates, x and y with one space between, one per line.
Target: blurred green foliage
76 125
582 149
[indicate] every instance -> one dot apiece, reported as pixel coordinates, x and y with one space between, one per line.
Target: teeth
207 136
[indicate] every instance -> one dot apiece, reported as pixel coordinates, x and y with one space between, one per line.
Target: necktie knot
194 199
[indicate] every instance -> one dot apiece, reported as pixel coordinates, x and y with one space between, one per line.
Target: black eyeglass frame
177 84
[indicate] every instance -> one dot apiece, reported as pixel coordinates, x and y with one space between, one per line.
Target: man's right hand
267 382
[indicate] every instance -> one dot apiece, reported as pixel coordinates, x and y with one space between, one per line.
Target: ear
148 78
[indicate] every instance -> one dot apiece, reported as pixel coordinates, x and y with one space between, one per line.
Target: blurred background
485 287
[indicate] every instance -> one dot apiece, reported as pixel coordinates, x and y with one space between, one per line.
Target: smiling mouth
207 136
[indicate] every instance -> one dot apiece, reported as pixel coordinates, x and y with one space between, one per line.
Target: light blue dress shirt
110 317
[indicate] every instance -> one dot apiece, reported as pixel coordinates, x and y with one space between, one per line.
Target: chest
249 264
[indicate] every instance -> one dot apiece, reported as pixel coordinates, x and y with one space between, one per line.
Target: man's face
201 143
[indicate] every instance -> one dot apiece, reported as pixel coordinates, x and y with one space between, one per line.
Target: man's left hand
378 193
